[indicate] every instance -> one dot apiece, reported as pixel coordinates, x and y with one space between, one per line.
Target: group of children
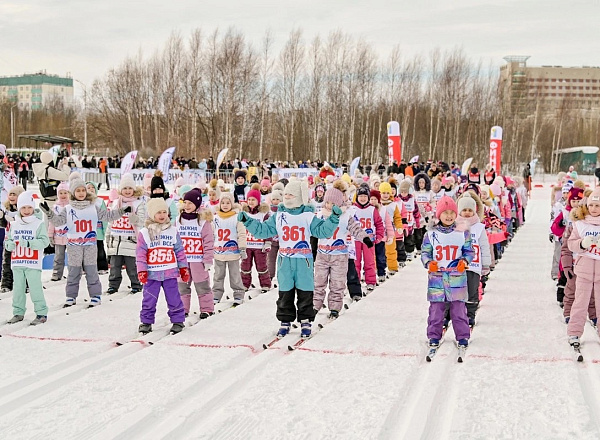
310 238
575 232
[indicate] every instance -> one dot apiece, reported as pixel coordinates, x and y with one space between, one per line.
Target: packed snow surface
363 376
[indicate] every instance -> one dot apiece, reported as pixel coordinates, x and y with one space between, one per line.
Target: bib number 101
83 225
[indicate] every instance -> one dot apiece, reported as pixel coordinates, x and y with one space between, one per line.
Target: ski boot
177 327
95 301
39 319
463 343
434 343
393 272
145 328
381 279
134 290
15 319
111 291
574 341
305 329
284 329
205 315
370 288
334 314
69 302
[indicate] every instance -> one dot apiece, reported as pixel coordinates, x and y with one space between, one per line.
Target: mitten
1 214
433 266
336 210
133 219
45 208
569 272
461 266
243 254
587 241
143 277
184 273
9 245
368 242
127 209
243 217
266 247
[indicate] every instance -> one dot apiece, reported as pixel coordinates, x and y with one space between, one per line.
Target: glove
9 245
49 250
184 273
243 254
433 266
127 209
44 207
587 241
569 272
243 217
485 271
266 247
336 210
143 277
461 266
368 242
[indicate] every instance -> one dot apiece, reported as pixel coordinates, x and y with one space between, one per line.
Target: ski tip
150 343
346 306
580 358
320 325
460 360
428 359
290 348
118 344
265 346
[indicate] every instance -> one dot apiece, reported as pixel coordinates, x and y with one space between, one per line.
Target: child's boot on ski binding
284 329
305 329
145 328
177 327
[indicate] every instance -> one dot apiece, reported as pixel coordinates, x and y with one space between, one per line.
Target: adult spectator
211 165
527 178
326 171
84 162
193 164
103 167
23 172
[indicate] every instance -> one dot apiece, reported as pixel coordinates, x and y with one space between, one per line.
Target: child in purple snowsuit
160 260
446 253
195 230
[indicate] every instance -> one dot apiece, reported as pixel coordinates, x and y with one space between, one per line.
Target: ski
462 352
147 339
432 352
273 342
298 343
577 352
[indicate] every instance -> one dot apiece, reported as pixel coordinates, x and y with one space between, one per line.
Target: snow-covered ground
363 376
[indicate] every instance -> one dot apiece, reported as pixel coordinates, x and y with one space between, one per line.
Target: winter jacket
41 240
121 245
586 267
389 232
208 245
416 213
54 233
446 285
377 220
241 233
566 255
141 259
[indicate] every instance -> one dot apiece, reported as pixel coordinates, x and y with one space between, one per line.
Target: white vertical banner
354 166
164 162
128 161
221 156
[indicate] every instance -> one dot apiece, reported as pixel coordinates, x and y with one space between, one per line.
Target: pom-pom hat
445 204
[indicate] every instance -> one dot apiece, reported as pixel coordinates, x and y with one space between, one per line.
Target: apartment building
33 91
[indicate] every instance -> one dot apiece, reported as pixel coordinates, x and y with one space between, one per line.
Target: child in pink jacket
195 229
388 236
372 224
583 242
58 234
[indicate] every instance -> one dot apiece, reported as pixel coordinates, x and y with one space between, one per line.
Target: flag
164 162
128 161
354 166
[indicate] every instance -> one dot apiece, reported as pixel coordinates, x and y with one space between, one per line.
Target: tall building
548 88
33 91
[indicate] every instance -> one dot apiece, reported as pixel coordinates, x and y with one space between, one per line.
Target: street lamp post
85 143
12 127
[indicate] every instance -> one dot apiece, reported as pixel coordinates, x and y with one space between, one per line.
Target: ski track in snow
363 375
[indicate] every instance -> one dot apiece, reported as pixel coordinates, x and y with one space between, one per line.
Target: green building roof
35 79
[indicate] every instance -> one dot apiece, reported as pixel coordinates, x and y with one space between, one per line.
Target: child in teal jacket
294 224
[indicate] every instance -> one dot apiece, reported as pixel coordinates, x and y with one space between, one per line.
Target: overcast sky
88 37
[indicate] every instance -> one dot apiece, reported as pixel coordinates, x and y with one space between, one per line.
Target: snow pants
201 281
391 256
260 260
150 298
272 259
7 276
58 267
380 259
82 259
586 285
570 297
418 235
352 280
365 257
473 289
102 261
409 243
235 280
330 270
458 313
555 258
33 278
116 272
401 251
287 311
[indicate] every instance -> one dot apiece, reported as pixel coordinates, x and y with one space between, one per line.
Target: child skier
58 234
230 246
121 237
81 217
424 200
470 212
256 248
195 228
372 223
388 235
395 214
276 197
7 214
92 188
26 241
446 254
413 219
331 265
240 186
160 260
294 223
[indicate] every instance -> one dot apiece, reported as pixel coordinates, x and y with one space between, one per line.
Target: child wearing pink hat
446 253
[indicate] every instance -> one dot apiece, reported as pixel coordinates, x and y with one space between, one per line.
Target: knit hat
75 183
496 190
334 196
155 205
147 180
329 178
467 202
575 194
363 190
94 184
254 193
194 195
18 189
446 204
300 192
62 186
277 194
183 189
126 182
447 180
75 175
375 193
567 186
405 186
346 178
240 173
594 197
226 195
385 187
265 182
25 199
213 186
157 182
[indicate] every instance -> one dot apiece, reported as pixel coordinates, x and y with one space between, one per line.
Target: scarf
123 201
592 220
154 229
189 215
465 223
80 204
